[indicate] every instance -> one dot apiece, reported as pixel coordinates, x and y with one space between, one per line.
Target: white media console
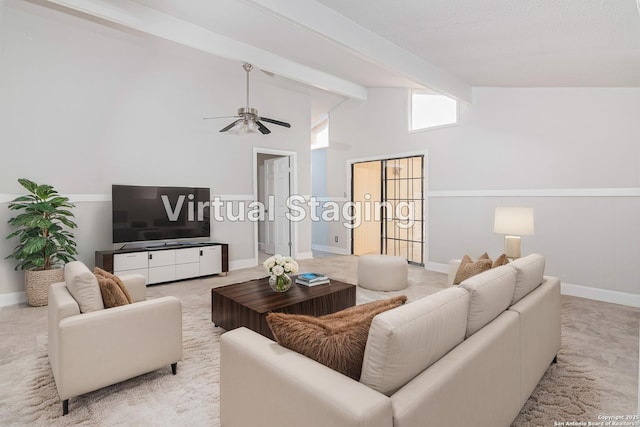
167 263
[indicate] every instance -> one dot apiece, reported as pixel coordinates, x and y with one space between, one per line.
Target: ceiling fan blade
226 128
262 128
220 117
275 122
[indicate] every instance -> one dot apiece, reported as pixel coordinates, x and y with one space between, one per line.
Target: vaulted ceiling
345 46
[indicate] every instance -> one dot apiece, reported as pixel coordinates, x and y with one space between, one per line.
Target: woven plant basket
36 285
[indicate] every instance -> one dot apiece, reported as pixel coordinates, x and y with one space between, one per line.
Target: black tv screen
143 213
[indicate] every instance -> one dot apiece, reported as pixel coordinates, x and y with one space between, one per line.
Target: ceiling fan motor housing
248 112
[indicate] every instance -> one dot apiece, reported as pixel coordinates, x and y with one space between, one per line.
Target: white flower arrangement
278 265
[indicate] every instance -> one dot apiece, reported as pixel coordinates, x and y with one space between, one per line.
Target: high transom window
320 134
430 110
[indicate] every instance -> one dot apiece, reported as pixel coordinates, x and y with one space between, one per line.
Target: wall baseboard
242 263
330 249
304 255
604 295
597 294
12 298
437 267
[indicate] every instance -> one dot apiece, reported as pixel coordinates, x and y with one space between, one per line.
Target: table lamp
513 222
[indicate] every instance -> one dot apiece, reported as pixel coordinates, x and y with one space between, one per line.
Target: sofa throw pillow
336 340
100 272
501 260
469 268
356 311
112 295
83 286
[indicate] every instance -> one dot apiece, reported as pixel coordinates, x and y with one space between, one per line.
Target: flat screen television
146 213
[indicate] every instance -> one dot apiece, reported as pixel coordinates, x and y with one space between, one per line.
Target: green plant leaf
28 184
67 222
20 199
34 245
14 234
58 201
64 213
44 207
45 191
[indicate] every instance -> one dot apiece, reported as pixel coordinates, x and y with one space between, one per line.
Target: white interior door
269 226
282 225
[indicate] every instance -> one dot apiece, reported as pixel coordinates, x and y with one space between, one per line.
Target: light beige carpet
596 374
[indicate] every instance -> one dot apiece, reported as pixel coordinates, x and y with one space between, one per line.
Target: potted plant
44 241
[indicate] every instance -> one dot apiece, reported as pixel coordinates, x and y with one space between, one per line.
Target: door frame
425 181
293 185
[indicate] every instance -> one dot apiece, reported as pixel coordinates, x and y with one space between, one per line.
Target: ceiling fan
248 120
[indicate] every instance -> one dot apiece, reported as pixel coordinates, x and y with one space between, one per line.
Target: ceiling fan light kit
248 119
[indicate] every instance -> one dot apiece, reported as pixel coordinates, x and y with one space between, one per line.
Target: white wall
545 148
84 105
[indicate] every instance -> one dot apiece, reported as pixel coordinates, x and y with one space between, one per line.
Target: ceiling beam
362 42
141 18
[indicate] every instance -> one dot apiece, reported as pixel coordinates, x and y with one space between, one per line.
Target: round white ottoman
382 272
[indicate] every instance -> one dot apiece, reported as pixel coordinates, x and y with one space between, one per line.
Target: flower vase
280 283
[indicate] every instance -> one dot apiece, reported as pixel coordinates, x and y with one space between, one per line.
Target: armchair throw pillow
100 272
83 286
112 295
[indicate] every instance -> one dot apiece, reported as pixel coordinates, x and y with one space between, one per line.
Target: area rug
596 340
597 370
29 396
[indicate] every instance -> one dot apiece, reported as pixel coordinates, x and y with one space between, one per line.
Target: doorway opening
390 196
274 184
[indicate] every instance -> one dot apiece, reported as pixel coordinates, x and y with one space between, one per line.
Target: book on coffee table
312 279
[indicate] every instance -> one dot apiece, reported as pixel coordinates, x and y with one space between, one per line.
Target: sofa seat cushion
336 340
490 294
405 341
530 274
83 286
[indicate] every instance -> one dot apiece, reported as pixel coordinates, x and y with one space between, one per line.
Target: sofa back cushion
405 341
490 294
530 272
83 286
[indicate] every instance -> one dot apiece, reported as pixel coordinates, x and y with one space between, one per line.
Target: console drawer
130 261
162 258
188 255
162 274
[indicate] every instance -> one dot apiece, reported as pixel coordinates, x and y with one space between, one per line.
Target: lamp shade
513 221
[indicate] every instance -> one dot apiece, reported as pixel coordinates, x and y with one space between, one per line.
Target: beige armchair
88 351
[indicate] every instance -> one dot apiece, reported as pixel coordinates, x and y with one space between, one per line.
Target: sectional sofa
468 355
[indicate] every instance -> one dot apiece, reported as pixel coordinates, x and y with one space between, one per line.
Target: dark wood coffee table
247 304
